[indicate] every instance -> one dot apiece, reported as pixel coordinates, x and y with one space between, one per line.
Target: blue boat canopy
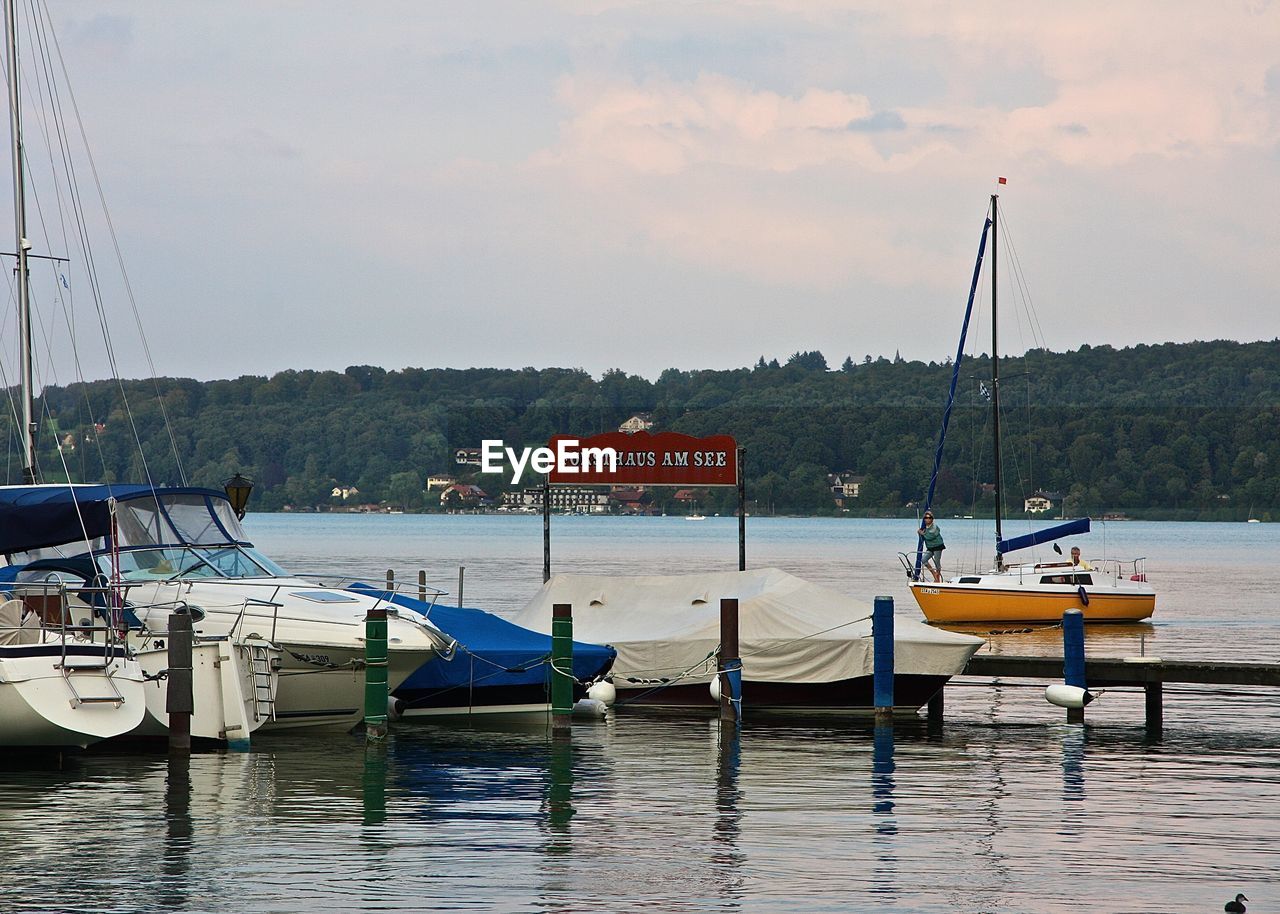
499 654
41 517
1047 535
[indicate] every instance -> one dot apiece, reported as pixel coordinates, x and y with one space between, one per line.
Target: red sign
664 459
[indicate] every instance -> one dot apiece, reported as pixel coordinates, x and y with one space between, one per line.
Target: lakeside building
1041 502
640 422
845 486
576 499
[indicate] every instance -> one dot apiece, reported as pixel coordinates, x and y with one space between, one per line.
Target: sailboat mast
22 246
995 378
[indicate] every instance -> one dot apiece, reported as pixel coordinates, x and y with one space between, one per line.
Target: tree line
1185 431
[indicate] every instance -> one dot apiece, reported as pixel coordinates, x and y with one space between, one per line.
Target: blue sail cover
951 393
37 517
1047 535
502 654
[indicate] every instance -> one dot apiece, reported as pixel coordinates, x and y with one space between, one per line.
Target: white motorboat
234 685
169 548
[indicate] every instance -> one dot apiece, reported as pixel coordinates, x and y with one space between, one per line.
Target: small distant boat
1253 520
695 517
1115 591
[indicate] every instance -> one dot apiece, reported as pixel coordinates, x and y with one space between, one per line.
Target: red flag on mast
1002 180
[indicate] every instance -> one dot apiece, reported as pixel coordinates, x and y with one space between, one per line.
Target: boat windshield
171 518
174 563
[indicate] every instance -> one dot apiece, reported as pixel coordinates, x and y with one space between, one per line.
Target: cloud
826 158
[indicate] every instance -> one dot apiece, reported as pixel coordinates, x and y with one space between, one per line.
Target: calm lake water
1009 809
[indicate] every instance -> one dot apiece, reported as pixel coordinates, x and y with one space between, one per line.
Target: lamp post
238 488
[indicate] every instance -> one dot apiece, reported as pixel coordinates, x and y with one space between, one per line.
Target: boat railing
244 609
420 590
1122 569
47 615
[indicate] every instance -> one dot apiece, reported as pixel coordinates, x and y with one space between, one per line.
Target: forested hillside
1175 430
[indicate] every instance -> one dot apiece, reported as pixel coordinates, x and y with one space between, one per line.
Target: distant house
631 500
467 456
461 495
440 482
845 486
690 495
1041 502
344 492
640 422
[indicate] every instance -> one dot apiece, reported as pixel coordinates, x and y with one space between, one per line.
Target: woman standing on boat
932 537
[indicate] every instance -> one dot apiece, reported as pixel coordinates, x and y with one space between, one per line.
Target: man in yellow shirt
1079 562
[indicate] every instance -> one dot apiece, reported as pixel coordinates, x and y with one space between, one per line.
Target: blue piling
1073 657
882 658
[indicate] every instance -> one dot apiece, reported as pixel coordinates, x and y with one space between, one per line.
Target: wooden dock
1149 673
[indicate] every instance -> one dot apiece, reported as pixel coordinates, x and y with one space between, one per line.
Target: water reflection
1109 640
887 881
558 805
726 855
728 819
374 782
882 768
1073 743
174 889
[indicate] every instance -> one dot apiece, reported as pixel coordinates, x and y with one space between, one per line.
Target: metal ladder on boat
104 677
264 695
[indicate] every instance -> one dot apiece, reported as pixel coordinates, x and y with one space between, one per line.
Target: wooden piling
462 570
1154 693
729 665
422 585
882 658
936 709
180 696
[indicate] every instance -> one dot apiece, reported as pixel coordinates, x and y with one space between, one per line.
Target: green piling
375 673
561 666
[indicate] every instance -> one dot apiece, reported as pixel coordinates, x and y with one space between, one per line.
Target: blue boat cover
1047 535
504 654
36 517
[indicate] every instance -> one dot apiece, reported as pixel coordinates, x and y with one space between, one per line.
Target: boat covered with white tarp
802 645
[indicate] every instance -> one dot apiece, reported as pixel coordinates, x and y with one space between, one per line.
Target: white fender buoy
715 688
395 708
590 707
1066 696
603 691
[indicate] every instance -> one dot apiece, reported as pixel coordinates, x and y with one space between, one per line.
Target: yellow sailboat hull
948 602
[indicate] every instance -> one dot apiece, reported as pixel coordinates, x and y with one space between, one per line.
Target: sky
646 185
